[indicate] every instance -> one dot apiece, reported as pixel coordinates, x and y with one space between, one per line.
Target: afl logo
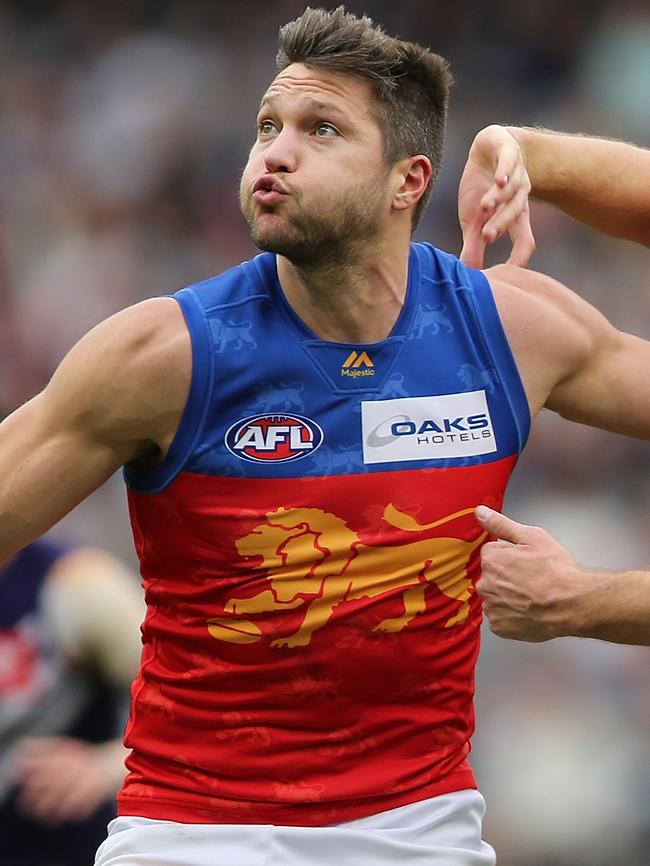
273 438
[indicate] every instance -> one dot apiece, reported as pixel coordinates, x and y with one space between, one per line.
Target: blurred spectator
69 649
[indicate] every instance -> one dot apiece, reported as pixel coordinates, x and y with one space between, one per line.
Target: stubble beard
332 235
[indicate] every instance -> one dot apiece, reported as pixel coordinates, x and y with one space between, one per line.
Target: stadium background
123 128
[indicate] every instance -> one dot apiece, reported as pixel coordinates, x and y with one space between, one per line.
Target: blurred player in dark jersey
69 649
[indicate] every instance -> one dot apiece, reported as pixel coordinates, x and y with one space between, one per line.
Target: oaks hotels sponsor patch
426 428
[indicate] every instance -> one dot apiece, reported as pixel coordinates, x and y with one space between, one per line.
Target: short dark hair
411 84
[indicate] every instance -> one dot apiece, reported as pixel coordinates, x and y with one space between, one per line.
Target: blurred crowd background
123 129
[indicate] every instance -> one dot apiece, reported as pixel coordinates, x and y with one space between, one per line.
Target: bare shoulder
524 289
152 329
552 331
128 378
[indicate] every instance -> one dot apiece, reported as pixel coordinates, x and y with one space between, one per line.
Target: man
69 650
306 438
532 588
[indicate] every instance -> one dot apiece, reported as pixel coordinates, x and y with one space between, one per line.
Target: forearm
604 184
44 473
611 606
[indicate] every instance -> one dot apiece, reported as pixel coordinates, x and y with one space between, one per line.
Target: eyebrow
312 104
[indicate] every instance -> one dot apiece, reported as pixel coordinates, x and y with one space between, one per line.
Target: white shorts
441 831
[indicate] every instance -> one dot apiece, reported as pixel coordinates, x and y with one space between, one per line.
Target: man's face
316 183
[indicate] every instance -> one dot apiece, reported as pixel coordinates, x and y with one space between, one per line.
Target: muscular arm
533 589
604 184
116 397
571 359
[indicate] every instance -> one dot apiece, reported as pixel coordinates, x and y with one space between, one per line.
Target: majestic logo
273 438
314 561
357 364
426 428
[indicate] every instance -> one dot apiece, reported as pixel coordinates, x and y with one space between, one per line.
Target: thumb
501 526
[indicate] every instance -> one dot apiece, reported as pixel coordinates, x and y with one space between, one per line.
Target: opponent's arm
534 590
116 397
604 184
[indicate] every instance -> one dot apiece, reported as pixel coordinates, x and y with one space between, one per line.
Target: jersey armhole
498 351
192 420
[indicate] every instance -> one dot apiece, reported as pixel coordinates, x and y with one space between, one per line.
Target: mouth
268 190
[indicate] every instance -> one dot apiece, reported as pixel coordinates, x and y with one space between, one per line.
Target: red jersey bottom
204 809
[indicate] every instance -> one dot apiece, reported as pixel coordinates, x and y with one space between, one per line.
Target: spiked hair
410 83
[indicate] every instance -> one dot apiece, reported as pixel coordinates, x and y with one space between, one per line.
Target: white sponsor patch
427 428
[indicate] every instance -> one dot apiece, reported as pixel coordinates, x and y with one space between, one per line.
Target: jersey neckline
266 271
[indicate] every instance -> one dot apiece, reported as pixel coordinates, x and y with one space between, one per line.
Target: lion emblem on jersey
315 561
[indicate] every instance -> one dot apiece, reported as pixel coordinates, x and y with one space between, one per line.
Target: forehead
349 93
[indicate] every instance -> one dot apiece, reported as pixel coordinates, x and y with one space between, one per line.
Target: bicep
610 388
115 397
570 357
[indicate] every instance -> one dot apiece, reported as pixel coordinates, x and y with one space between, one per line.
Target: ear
413 175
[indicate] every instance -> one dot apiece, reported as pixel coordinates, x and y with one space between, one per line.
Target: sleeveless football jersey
309 554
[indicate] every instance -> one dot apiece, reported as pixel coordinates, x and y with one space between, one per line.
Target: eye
326 130
266 127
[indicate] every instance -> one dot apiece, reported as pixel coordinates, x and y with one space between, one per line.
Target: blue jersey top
253 356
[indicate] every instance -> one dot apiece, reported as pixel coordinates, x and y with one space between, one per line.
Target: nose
281 155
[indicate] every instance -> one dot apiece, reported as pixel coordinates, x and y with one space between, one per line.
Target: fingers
504 189
508 154
503 527
505 208
74 801
493 198
60 779
473 251
523 242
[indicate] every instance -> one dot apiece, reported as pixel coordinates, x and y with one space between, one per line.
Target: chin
282 246
278 239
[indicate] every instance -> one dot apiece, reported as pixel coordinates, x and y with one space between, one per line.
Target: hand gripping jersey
309 554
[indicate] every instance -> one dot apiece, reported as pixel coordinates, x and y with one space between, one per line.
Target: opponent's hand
63 779
527 579
493 198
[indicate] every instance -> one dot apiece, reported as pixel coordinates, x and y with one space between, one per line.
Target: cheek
250 171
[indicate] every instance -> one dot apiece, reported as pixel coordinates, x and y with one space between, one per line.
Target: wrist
536 146
595 607
529 141
578 610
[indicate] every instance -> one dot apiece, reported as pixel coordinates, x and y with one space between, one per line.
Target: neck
352 302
